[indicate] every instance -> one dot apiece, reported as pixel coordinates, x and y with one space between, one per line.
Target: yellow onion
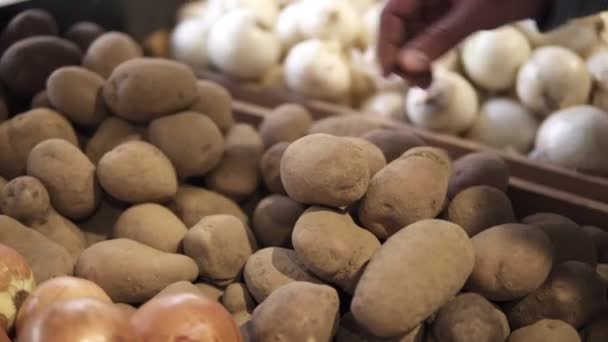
16 283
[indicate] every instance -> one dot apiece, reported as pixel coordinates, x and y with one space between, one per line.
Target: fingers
392 33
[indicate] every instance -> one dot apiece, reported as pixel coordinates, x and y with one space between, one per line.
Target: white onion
266 11
16 283
492 58
189 43
317 69
239 46
575 138
577 35
554 78
330 20
597 64
449 105
287 27
505 124
388 105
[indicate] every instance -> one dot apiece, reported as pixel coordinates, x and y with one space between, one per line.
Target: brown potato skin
271 268
375 156
274 219
322 169
428 262
46 258
409 189
191 140
511 261
23 132
192 203
570 241
144 89
312 315
393 142
131 272
112 132
480 207
470 317
351 125
270 167
26 65
84 33
98 227
333 247
596 331
285 123
64 232
215 102
573 292
29 23
546 330
237 175
108 51
76 92
137 172
68 175
481 168
152 225
26 200
351 331
600 239
239 302
41 100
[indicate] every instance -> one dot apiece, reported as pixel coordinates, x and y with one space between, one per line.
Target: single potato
270 168
111 133
215 102
274 219
286 123
393 142
110 50
546 330
351 331
481 168
351 125
191 204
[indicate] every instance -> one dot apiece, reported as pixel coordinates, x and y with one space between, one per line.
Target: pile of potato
133 207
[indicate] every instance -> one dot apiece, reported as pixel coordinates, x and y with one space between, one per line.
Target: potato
64 232
573 292
351 331
2 184
179 287
237 175
99 226
393 142
409 189
110 50
596 331
569 240
27 64
286 123
192 203
350 125
238 301
144 89
600 239
137 172
426 264
152 225
4 111
68 175
274 219
271 268
131 272
41 100
84 33
325 170
191 140
480 207
311 315
602 272
375 157
127 310
210 291
469 317
512 260
29 23
333 247
546 330
111 133
19 135
215 102
46 258
220 245
270 167
481 168
76 92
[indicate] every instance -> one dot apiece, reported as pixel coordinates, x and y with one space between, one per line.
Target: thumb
437 39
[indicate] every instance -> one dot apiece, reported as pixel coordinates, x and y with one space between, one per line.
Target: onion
189 43
388 105
76 320
575 138
265 11
597 64
391 83
54 290
577 35
330 20
554 78
318 69
492 58
450 61
287 27
16 283
371 24
504 124
242 47
184 316
191 10
600 99
449 105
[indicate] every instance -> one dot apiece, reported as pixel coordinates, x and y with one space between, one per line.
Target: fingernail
415 61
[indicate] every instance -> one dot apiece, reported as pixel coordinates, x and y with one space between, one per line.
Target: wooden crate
567 181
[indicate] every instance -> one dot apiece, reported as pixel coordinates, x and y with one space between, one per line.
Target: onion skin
184 317
79 319
16 283
56 289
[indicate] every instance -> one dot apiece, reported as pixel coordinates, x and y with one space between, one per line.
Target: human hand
414 33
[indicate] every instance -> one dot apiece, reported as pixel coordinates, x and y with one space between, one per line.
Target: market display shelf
550 176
